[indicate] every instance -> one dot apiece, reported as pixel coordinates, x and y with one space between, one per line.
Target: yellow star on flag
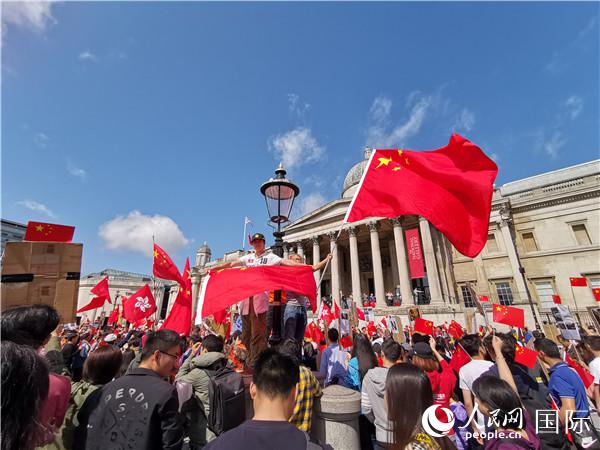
396 169
400 152
383 162
155 254
39 228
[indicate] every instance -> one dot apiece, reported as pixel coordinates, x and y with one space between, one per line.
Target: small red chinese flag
596 292
346 342
326 315
180 316
451 187
140 305
586 377
525 356
578 281
556 299
455 330
459 358
484 298
336 310
114 316
509 315
48 232
164 267
360 313
423 326
371 328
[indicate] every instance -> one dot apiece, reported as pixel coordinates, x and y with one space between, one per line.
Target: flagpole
154 283
576 307
244 235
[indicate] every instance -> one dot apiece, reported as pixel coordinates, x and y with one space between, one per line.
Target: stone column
195 292
286 251
377 267
335 418
405 284
514 261
354 267
335 268
300 249
436 237
433 277
316 258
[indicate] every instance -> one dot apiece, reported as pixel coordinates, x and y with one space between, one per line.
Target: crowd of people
105 387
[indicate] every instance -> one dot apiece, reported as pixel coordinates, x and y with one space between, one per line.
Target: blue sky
125 119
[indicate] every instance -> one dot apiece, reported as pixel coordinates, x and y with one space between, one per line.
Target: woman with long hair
24 391
441 376
362 359
513 425
407 395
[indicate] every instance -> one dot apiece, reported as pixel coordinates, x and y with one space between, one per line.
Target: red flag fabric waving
556 299
48 232
164 267
578 281
225 287
114 315
360 313
455 330
459 358
346 342
336 310
180 316
102 294
596 292
423 326
326 315
97 302
586 377
139 305
314 333
451 187
525 356
484 298
509 315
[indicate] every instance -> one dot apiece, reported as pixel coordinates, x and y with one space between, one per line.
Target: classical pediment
331 212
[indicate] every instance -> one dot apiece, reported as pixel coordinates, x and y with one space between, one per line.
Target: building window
595 282
492 244
467 297
505 294
529 241
581 235
545 291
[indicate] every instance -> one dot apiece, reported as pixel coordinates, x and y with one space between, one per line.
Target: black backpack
227 400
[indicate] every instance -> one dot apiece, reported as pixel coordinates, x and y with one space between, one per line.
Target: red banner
413 251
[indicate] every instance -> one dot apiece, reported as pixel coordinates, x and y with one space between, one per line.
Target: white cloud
38 207
76 171
551 142
465 120
134 233
574 106
297 106
41 140
33 15
296 147
310 202
87 56
378 135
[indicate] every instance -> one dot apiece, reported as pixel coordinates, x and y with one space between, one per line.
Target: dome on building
354 175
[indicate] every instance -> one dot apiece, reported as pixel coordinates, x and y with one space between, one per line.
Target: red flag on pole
455 330
114 315
509 315
360 313
139 305
48 232
459 358
102 294
525 356
451 187
596 292
223 288
423 326
336 310
180 317
484 298
97 302
326 315
556 299
164 267
578 281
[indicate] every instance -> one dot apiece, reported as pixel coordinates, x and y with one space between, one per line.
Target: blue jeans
294 322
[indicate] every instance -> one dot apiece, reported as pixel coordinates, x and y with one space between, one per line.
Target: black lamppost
506 217
279 195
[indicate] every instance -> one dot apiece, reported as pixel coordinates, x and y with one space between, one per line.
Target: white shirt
467 376
260 300
595 369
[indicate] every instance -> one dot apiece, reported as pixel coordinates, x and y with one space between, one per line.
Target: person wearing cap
426 357
254 309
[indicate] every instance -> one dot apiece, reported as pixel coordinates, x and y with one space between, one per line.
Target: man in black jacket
140 410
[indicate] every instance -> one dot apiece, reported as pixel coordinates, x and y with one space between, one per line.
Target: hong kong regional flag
180 317
164 267
48 232
140 305
451 187
224 287
509 315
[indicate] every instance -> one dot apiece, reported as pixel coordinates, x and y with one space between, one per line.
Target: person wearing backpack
206 410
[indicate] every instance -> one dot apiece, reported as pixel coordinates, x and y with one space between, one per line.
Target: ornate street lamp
506 217
279 195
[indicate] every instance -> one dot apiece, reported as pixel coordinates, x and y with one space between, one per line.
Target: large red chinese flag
509 315
451 187
180 317
423 326
223 288
48 232
455 330
140 305
525 356
459 358
164 267
578 281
